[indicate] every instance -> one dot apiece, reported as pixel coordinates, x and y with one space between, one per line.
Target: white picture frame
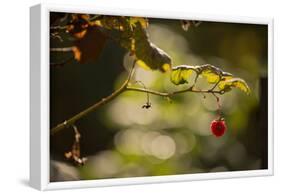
39 97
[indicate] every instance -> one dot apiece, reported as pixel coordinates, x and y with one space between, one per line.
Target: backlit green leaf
239 83
181 74
211 77
210 72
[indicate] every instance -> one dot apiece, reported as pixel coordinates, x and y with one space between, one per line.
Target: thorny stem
125 87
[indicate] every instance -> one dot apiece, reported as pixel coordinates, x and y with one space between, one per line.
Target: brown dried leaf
76 53
88 48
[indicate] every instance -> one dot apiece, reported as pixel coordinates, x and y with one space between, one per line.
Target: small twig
219 105
203 94
62 49
75 153
59 27
147 105
165 94
216 84
131 73
195 80
77 134
56 35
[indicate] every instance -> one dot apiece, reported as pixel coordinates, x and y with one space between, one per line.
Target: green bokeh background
121 139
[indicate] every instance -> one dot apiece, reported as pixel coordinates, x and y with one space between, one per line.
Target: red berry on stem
218 127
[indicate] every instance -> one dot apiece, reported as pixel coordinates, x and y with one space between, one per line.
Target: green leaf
230 83
210 72
211 77
225 76
141 20
181 74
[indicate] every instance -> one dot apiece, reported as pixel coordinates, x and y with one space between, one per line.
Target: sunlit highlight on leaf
181 74
234 83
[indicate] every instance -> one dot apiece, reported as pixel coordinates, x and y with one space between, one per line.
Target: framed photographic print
135 96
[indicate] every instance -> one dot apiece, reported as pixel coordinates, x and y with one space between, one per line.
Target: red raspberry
218 127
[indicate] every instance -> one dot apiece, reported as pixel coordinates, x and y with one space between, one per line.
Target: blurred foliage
173 137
